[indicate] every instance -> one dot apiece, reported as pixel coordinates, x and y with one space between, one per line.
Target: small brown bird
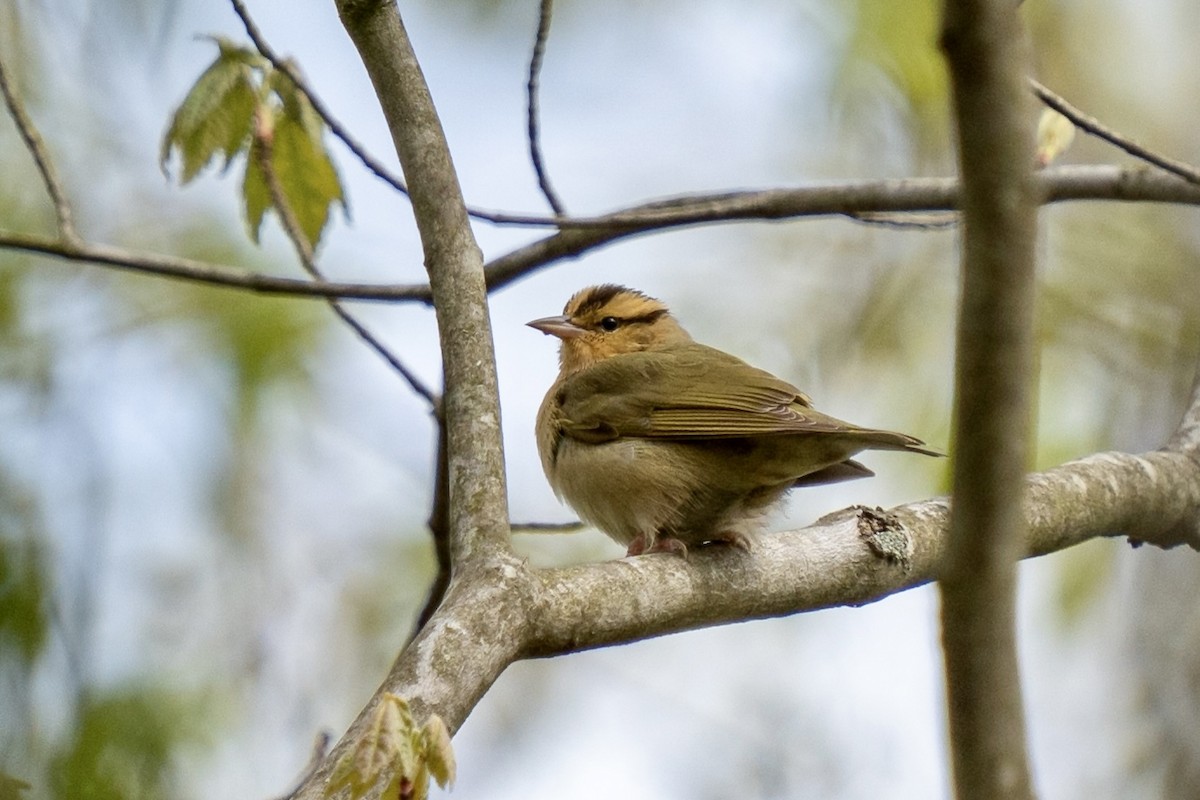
664 443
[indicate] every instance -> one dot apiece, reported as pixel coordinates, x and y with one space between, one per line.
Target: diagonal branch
1098 129
338 129
261 150
41 156
372 164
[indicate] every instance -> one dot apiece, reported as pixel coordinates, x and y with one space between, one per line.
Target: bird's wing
685 392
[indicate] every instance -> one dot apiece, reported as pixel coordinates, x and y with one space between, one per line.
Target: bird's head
608 320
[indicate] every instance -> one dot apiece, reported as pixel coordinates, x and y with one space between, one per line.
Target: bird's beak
562 327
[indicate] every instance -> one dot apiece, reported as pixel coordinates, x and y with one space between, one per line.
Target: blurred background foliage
212 504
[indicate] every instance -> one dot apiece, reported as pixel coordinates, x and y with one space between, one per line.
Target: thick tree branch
494 618
986 50
581 235
471 405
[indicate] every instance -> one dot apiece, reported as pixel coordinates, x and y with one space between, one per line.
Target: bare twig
291 225
41 156
372 164
282 65
1095 127
319 749
439 529
545 9
547 527
931 221
188 269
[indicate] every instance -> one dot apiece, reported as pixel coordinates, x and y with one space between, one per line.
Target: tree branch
188 269
41 157
478 497
372 164
262 150
439 530
581 235
493 618
545 7
337 128
985 48
1098 129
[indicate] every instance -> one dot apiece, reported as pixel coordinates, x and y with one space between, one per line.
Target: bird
664 443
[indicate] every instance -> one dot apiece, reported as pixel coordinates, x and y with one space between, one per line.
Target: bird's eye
610 324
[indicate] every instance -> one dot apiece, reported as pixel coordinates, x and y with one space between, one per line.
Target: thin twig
304 250
1095 127
439 530
929 221
223 275
339 130
372 164
535 144
319 749
41 156
547 527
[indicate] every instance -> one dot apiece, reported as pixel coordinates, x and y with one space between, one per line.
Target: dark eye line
610 323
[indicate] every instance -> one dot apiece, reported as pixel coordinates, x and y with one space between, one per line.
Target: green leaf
305 171
256 195
217 114
394 753
218 118
307 178
439 754
296 104
378 754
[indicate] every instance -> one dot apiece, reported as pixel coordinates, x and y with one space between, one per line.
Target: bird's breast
624 487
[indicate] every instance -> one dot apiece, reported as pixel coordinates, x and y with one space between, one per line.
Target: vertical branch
478 501
985 48
439 529
531 87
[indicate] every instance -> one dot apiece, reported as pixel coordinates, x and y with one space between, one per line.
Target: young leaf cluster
242 105
397 754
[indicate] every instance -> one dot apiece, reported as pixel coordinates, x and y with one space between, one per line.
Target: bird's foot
664 544
738 539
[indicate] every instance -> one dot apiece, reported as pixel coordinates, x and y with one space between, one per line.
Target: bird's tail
890 440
